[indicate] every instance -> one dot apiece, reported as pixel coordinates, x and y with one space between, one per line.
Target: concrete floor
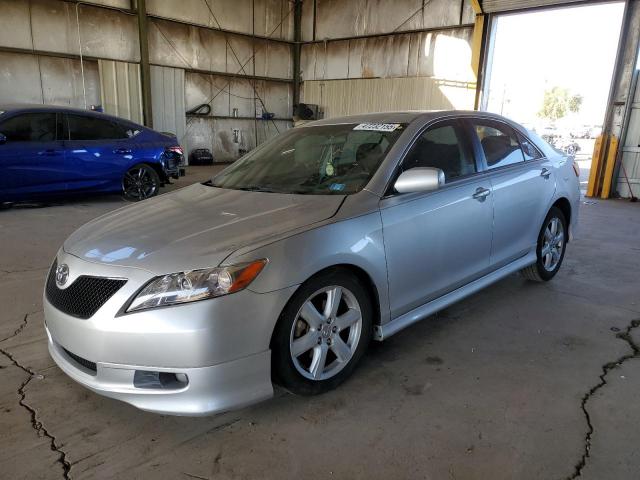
519 381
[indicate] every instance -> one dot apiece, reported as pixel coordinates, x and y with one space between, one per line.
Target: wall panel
121 90
339 18
226 94
272 17
445 54
217 135
350 97
186 46
61 80
167 95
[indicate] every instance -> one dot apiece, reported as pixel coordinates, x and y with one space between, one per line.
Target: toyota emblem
62 274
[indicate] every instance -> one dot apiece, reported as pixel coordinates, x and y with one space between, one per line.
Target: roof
400 117
8 107
37 106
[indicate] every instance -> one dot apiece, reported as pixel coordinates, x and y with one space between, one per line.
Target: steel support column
297 48
145 68
478 47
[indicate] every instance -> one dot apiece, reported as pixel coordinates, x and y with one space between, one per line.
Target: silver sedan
289 262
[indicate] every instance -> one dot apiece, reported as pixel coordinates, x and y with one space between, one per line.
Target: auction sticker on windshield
377 127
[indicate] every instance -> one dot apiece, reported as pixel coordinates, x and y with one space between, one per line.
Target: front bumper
209 390
221 345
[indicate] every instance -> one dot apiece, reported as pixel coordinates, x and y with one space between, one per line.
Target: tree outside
558 102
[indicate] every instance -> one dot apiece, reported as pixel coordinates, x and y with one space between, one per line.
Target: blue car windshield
319 160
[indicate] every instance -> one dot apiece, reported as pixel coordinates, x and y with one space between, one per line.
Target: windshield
322 160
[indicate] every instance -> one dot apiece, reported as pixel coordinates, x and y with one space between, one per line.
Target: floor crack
19 329
36 424
606 368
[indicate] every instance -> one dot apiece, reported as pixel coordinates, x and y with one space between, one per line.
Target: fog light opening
160 380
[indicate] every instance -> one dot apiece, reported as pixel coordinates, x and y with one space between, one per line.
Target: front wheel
322 333
140 182
550 249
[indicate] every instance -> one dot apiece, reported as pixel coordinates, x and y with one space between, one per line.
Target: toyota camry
283 267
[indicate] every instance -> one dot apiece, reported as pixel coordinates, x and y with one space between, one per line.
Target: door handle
545 172
49 152
122 151
481 194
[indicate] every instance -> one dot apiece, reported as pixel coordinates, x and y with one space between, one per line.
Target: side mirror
420 179
3 139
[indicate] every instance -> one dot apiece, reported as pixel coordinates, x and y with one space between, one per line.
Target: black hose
199 110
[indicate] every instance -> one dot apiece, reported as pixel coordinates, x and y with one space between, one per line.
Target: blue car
50 151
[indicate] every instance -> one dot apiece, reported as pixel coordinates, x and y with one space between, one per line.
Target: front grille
88 364
84 297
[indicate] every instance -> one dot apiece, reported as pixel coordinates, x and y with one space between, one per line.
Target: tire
341 338
140 182
549 256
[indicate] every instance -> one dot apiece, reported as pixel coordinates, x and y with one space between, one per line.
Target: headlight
195 285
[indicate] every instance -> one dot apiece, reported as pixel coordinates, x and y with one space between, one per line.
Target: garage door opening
551 70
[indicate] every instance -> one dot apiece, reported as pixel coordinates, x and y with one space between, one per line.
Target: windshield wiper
256 188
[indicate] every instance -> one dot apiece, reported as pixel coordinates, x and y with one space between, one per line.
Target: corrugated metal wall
444 54
197 41
339 18
217 134
348 97
167 95
267 18
50 25
430 69
120 89
41 79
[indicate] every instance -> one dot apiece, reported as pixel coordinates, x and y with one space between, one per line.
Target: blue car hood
195 227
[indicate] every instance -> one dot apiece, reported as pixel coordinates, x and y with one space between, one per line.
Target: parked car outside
287 263
567 145
56 151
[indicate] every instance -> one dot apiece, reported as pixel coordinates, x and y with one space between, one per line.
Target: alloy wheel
325 333
553 244
139 183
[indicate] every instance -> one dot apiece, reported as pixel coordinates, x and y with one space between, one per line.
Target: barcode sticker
377 127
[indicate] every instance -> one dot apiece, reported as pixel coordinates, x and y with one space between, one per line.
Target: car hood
195 227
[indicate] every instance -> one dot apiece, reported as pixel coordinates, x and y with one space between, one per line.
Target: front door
437 241
32 159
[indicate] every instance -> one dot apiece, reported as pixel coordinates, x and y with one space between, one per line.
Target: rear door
32 159
98 152
437 241
522 184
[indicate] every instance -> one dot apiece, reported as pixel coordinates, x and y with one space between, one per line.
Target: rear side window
92 128
443 147
499 143
528 148
30 127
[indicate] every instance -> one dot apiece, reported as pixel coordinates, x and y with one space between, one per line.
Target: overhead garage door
493 6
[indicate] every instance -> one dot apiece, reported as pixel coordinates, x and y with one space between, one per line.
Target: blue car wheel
140 182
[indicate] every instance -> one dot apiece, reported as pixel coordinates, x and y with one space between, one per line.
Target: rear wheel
322 333
550 249
140 182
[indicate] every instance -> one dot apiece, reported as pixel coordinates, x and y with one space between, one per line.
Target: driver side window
443 147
